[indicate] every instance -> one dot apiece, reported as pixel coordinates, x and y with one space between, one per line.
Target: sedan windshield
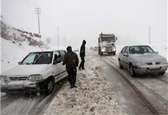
38 58
140 49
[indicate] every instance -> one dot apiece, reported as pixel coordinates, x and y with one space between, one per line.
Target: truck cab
106 44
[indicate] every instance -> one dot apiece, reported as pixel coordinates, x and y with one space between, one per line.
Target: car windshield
140 49
38 58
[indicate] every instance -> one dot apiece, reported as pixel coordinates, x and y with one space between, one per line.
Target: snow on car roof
136 45
48 50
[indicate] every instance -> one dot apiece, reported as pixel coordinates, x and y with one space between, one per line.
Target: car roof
48 50
135 45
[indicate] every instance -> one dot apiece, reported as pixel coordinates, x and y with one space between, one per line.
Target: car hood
147 58
26 70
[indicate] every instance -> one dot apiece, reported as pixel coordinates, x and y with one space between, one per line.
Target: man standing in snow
82 55
71 62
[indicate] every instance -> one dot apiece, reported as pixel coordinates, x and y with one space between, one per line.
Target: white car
142 59
38 71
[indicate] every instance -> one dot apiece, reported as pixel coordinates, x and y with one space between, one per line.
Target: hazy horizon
75 20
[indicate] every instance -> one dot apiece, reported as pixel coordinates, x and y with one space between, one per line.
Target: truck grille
157 63
17 78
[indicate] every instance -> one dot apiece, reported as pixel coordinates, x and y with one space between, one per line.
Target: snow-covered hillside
16 44
12 53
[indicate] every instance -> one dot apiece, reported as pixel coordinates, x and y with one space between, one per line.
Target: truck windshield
140 50
108 39
38 58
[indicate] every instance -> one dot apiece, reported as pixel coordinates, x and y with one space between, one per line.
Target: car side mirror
56 61
19 63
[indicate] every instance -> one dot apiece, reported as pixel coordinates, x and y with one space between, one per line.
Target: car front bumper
108 51
151 69
19 86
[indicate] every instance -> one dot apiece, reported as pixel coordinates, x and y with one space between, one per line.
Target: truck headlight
114 49
103 49
35 77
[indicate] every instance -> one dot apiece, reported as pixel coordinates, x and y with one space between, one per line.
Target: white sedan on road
38 71
142 59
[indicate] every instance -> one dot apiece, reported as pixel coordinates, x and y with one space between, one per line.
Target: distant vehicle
106 44
142 59
38 71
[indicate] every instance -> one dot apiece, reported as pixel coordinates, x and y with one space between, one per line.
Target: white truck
106 44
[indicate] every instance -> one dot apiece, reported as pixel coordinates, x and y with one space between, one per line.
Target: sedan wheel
162 73
50 86
120 65
131 71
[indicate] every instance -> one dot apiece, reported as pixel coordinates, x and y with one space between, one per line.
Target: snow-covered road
94 95
101 90
152 88
18 103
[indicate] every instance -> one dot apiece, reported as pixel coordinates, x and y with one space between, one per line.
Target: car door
62 52
121 56
57 65
125 56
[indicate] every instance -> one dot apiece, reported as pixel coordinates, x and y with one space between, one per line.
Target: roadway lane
129 101
20 104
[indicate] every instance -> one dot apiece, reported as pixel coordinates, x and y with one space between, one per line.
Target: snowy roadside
94 95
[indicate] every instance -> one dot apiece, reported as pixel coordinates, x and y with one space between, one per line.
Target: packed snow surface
94 95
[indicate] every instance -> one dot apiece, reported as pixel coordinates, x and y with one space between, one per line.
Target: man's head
69 49
84 42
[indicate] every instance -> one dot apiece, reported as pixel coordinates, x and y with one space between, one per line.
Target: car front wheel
162 73
50 86
120 65
132 71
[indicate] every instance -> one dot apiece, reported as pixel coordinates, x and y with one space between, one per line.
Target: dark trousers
72 75
82 64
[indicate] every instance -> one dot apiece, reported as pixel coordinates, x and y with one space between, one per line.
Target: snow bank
12 53
93 95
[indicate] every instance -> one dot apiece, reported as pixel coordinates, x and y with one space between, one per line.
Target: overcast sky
85 19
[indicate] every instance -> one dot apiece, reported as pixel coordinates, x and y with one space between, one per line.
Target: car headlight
35 77
164 61
5 79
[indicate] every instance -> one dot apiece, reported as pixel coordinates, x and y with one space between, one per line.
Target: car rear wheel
101 53
132 71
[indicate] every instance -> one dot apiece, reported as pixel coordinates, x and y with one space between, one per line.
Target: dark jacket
82 50
71 59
